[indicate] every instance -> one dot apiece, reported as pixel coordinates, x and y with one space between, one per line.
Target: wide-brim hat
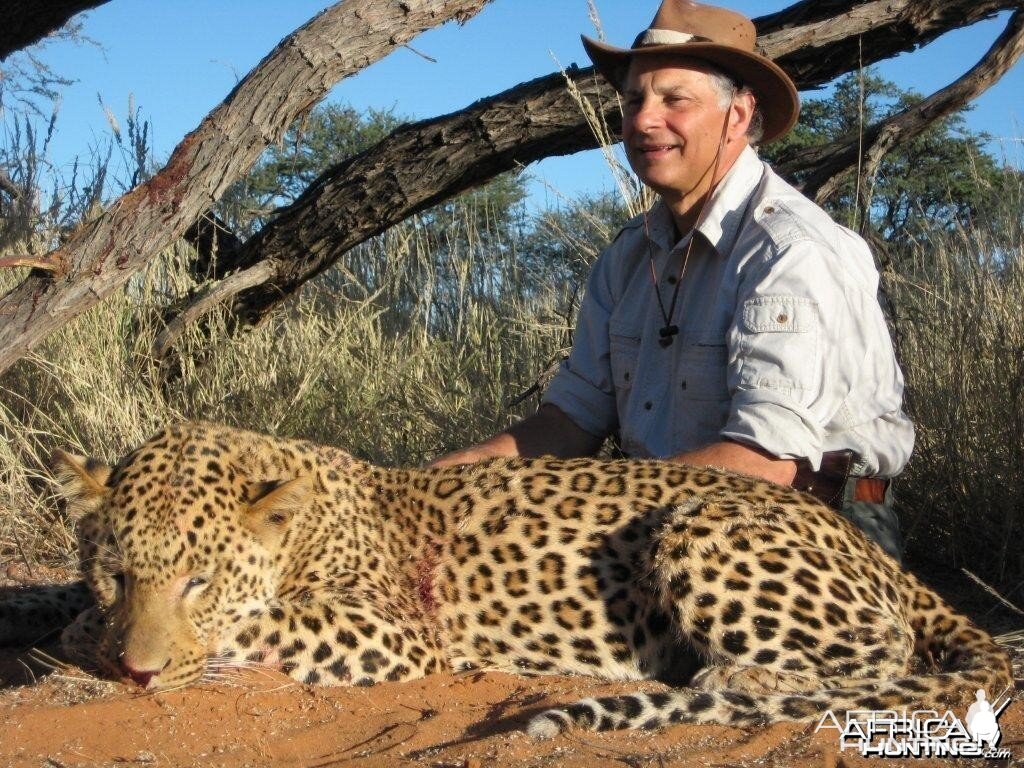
722 38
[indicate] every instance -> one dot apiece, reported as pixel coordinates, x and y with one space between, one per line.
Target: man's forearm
743 459
547 432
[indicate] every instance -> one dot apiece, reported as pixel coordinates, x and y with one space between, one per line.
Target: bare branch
27 21
832 163
206 300
105 253
36 262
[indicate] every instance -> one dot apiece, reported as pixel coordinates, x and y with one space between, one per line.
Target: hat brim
774 90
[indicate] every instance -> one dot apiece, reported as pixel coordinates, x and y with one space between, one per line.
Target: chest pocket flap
779 314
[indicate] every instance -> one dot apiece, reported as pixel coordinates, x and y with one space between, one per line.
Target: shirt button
783 317
626 375
672 279
769 209
648 405
684 385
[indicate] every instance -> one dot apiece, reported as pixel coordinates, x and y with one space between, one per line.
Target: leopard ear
81 480
275 505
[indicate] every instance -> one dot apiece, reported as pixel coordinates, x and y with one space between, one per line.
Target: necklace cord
668 330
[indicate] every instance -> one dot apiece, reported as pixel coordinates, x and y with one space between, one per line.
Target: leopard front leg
81 642
348 639
34 614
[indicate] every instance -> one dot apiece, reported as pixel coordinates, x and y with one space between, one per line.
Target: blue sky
180 59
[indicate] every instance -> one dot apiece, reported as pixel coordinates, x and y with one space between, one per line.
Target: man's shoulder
785 216
633 225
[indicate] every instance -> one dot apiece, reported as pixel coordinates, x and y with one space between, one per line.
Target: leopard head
179 545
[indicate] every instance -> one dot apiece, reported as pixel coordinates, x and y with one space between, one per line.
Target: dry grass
426 360
420 341
958 305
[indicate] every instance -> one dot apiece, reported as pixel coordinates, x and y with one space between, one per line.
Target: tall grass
427 358
957 301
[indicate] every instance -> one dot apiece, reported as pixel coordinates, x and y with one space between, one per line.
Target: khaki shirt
782 341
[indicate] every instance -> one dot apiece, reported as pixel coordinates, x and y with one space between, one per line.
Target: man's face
672 125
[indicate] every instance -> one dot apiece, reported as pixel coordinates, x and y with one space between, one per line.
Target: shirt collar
724 213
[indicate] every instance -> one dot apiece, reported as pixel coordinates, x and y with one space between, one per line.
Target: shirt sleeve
791 347
582 388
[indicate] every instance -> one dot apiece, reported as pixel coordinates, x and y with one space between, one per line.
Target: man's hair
727 88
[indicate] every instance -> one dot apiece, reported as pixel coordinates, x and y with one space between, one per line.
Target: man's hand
548 432
745 459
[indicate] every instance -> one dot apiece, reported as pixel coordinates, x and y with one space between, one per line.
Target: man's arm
745 459
548 432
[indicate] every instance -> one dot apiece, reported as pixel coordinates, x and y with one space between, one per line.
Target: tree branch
290 80
423 163
27 21
833 162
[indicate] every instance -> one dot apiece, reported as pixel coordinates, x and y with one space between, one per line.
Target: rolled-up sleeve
582 388
791 326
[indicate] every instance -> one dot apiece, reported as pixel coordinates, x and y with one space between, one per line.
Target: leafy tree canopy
943 178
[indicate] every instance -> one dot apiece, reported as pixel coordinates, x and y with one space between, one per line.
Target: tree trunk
26 21
292 79
833 162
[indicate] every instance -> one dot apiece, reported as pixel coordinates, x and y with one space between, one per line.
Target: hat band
666 37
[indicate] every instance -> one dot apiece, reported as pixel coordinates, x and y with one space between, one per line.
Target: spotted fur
209 547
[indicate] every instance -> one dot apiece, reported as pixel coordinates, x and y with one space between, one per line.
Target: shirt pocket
624 349
779 343
701 373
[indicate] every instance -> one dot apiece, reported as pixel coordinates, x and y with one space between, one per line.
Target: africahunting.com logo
924 733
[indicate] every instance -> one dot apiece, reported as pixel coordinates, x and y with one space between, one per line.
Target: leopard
210 548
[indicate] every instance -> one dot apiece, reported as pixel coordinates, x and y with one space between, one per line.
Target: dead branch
834 162
290 80
27 21
35 262
424 163
211 296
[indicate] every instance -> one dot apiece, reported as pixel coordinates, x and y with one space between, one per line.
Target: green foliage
941 179
329 134
564 242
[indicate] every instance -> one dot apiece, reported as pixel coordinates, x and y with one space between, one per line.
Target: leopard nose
140 677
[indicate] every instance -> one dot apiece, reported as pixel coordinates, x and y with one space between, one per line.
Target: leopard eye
194 584
120 580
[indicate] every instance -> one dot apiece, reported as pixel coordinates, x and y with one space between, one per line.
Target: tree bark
424 163
105 253
27 21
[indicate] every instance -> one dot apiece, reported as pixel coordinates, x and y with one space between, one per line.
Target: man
735 324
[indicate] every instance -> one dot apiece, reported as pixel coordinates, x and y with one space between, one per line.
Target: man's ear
81 481
741 112
275 506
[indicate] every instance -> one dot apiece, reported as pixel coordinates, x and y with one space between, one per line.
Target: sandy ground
445 720
62 719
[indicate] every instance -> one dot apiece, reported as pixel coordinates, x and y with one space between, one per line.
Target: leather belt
829 482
